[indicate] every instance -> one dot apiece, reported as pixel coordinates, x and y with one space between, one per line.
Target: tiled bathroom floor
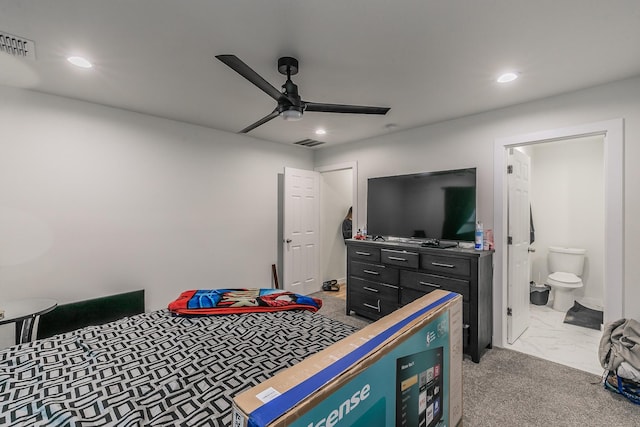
548 337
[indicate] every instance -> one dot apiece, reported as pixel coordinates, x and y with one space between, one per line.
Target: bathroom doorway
567 210
553 218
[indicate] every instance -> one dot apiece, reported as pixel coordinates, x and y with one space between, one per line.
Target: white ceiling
429 60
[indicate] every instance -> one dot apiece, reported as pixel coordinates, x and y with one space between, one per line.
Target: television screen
430 205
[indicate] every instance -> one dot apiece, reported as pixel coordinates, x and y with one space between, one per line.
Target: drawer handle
375 273
429 284
395 258
366 288
363 253
439 264
373 307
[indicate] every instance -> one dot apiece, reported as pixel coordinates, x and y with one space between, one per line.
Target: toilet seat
565 280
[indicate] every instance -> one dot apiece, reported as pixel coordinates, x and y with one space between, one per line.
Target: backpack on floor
627 388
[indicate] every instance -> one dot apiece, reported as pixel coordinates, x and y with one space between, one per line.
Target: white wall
96 200
567 197
336 199
469 142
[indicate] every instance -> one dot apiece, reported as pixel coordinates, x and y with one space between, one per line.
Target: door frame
613 133
353 165
354 190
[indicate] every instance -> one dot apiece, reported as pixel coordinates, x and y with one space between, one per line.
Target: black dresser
383 276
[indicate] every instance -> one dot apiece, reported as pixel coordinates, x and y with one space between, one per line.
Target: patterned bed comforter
155 369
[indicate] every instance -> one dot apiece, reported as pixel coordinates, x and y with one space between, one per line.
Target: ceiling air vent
308 142
17 46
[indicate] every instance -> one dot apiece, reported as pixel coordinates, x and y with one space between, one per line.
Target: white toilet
565 265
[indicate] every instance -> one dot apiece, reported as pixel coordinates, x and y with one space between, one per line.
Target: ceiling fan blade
245 71
341 108
275 113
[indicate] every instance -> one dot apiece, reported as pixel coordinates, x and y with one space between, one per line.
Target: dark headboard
67 317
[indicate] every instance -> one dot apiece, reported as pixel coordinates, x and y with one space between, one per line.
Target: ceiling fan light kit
289 103
292 114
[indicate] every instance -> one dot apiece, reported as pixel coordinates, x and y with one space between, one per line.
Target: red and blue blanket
228 301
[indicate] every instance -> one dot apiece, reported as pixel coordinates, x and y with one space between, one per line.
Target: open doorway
338 193
612 272
566 210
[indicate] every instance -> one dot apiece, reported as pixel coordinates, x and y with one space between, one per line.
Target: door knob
288 241
531 250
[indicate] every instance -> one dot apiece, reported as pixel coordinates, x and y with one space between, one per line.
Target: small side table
24 314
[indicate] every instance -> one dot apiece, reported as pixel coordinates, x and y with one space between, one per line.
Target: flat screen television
431 205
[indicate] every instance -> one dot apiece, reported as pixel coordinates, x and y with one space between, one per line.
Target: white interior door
518 177
301 225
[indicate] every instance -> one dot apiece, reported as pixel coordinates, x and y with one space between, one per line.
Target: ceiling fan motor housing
290 105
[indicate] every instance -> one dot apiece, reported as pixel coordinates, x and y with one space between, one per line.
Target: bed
252 369
155 368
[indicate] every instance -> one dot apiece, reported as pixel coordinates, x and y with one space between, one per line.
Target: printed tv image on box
419 389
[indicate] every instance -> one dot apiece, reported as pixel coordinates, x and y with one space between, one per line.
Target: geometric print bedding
155 369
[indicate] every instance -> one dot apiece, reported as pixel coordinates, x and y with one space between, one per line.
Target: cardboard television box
404 370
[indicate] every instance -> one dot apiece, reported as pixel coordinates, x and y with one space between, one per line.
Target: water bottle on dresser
479 242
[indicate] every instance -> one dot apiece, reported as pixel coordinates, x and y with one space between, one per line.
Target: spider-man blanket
227 301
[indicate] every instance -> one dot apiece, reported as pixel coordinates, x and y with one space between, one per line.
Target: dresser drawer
448 265
364 253
370 304
408 295
374 272
426 283
382 290
401 258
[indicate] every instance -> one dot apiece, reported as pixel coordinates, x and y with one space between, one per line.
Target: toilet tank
568 260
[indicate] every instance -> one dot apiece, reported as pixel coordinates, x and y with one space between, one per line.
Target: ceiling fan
290 105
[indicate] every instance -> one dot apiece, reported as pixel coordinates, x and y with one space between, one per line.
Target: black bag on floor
627 388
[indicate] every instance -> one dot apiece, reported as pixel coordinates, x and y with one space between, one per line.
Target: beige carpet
508 388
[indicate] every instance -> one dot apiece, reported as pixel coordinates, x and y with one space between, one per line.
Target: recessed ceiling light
320 131
79 61
507 77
